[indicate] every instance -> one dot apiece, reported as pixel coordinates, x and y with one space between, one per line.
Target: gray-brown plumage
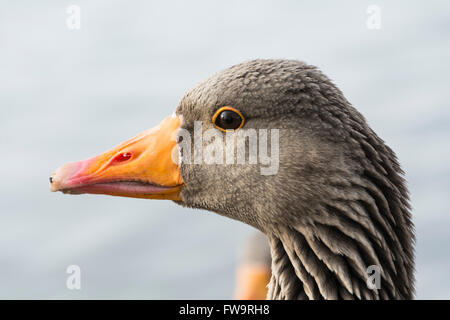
338 203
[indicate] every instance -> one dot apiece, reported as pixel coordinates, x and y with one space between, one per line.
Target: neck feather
328 256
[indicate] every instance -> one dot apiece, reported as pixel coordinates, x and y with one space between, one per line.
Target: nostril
122 157
51 179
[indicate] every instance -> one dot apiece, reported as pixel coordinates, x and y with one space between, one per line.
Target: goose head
275 144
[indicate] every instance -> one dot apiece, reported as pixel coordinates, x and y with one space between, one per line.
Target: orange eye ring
220 111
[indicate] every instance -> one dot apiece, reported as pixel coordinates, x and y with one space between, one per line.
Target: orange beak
142 167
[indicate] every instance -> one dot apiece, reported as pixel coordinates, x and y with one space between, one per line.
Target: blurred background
68 94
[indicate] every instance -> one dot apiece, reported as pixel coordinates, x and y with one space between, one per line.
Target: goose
331 198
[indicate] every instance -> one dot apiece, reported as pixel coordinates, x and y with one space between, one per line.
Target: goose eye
228 118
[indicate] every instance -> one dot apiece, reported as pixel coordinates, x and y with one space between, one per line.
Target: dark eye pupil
228 119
